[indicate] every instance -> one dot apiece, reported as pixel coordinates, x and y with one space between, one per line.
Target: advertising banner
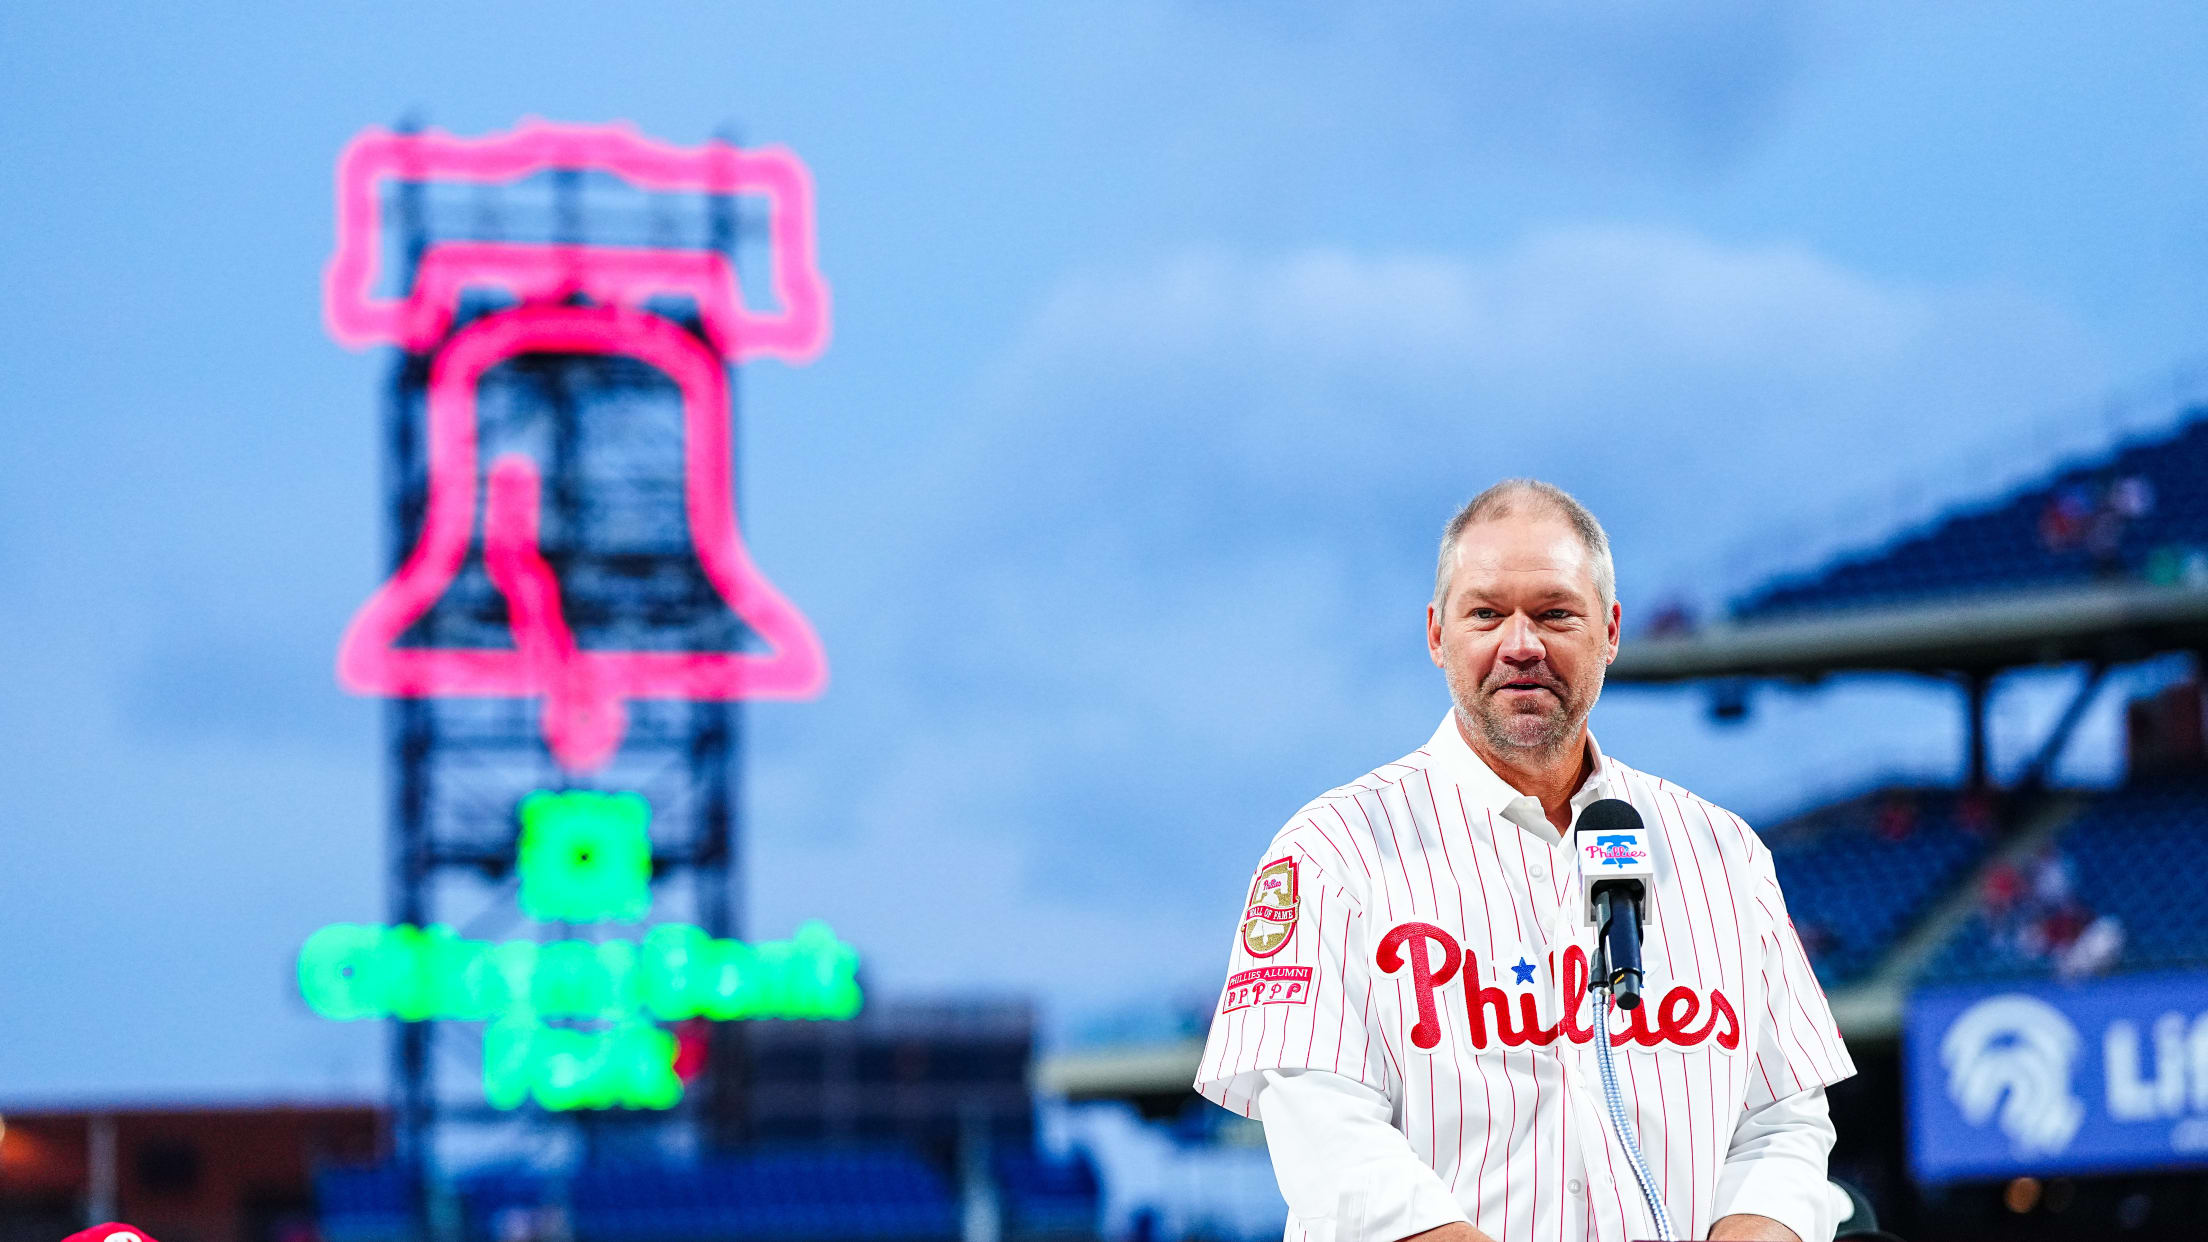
2039 1077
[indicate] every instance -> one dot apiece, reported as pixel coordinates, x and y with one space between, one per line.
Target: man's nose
1521 642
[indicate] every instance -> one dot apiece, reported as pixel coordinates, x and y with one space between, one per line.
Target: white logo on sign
2014 1054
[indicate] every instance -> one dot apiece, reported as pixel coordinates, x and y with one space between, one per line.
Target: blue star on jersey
1524 971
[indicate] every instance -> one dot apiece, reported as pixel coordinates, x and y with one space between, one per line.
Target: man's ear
1433 634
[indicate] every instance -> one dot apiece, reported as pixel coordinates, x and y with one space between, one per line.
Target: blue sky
1166 336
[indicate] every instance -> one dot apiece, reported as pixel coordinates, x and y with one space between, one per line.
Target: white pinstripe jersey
1501 1095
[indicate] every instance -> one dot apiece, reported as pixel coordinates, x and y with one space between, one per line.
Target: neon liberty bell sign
584 856
583 691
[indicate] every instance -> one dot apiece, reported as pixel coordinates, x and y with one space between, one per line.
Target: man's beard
1534 735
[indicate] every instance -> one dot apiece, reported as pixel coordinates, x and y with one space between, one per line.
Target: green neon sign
585 857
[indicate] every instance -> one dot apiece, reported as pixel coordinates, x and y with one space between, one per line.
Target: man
1407 1007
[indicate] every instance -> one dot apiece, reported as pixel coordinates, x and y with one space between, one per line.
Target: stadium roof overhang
2105 623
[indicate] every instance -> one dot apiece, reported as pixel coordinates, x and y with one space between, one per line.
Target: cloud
1650 88
1165 581
1674 378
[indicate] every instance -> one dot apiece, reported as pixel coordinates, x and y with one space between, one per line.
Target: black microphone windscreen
1610 815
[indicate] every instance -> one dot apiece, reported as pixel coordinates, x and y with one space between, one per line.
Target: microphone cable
1616 1100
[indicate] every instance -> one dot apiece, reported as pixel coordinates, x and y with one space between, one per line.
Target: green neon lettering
508 1071
561 1068
673 972
829 983
584 857
334 972
351 971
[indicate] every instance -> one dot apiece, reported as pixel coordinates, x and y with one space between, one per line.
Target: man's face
1522 635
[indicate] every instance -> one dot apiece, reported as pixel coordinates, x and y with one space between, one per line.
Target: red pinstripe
1740 944
1317 962
1487 1092
1352 839
1821 1061
1790 956
1776 1029
1663 1097
1464 924
1337 848
1502 875
1563 1145
1767 940
1533 1059
1694 1174
1395 842
1341 1008
1640 1134
1686 1088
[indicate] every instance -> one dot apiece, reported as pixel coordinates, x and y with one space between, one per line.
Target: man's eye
1559 612
1485 614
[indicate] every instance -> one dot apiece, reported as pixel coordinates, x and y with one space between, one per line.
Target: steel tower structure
607 436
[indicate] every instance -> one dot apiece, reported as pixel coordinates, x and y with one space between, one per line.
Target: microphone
1616 867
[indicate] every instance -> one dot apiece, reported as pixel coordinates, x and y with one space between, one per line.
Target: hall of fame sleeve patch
1267 985
1269 919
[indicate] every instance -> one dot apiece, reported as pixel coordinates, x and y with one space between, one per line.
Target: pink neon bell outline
357 318
583 714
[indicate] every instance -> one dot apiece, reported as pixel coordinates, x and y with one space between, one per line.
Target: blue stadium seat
872 1194
1852 889
1043 1198
846 1195
1998 546
2120 851
371 1204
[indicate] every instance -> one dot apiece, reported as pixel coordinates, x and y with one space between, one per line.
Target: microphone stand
1617 980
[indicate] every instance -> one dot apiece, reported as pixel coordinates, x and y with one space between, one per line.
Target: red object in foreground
113 1231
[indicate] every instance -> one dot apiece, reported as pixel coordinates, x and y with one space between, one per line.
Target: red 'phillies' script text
1681 1018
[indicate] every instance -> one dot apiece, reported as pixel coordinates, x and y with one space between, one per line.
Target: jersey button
1540 872
1573 1186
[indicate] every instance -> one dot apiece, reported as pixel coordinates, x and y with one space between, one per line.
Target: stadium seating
364 1204
2125 855
1858 873
2034 537
1045 1199
862 1194
816 1196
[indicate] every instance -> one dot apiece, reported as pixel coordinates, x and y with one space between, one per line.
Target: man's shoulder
1389 774
1682 808
1335 830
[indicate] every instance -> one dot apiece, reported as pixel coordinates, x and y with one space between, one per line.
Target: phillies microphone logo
1682 1018
1616 851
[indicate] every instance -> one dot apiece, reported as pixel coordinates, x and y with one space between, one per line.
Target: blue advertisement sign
2038 1077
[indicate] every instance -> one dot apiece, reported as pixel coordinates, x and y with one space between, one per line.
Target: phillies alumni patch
1271 914
1267 985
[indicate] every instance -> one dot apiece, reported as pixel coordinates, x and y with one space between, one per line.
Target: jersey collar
1471 772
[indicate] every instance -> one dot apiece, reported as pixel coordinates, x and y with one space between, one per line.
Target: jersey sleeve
1298 993
1797 1044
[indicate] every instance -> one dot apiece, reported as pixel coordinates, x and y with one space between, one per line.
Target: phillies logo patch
1270 917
